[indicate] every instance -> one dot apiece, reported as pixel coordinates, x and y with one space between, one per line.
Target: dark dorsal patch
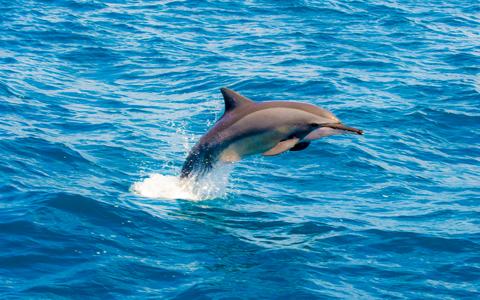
233 99
300 146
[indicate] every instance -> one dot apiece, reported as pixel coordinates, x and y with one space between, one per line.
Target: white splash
159 186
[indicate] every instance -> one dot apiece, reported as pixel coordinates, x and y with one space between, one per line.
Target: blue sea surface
96 96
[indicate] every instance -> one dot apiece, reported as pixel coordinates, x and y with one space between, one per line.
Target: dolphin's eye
314 125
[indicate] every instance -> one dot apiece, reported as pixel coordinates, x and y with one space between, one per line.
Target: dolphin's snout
340 126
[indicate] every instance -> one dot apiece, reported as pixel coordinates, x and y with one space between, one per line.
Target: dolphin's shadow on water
249 246
223 240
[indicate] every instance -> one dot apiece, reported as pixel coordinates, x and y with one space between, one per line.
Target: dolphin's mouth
340 126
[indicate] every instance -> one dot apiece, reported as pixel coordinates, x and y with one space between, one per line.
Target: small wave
159 186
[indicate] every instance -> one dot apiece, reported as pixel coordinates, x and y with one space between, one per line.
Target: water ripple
99 95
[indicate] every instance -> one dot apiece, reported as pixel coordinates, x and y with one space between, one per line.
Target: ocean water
100 102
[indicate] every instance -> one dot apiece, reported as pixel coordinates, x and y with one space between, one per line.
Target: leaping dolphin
270 128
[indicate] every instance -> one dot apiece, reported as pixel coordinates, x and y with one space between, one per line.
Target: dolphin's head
324 123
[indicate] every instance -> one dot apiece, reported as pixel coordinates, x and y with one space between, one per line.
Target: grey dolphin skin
269 128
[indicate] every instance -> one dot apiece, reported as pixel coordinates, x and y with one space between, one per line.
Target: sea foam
209 186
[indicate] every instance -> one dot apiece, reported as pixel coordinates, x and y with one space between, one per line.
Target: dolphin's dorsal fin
233 99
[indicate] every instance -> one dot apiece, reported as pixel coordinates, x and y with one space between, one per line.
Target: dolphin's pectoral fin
300 146
282 147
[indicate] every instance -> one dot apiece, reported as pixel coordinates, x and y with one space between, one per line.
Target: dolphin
269 128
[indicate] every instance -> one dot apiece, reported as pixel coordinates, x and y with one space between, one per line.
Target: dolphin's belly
251 144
